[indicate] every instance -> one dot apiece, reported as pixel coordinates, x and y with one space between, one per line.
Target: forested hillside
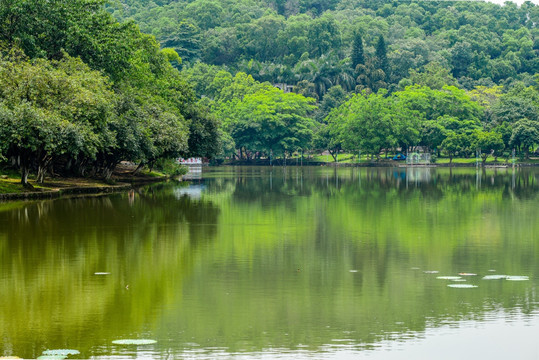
85 84
454 77
291 41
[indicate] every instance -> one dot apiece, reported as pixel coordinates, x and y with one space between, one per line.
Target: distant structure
420 157
286 88
190 161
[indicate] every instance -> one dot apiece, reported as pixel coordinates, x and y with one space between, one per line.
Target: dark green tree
185 41
358 56
381 56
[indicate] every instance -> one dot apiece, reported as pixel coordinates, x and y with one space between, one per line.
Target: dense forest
85 84
80 92
316 41
451 76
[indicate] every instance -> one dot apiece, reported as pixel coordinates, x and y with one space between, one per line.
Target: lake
288 263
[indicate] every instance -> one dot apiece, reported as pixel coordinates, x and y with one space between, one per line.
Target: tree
269 120
519 103
370 78
449 101
204 137
525 135
365 122
325 72
433 75
381 57
432 134
358 56
333 98
51 109
461 58
185 41
325 139
452 144
489 143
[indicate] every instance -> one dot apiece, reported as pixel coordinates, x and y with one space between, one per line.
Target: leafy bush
171 167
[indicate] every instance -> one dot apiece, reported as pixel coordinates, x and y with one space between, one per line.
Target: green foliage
171 167
452 144
468 40
489 143
525 135
373 122
358 56
269 120
326 139
51 109
80 92
381 56
433 75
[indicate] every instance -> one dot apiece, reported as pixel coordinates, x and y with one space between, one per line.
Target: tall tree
358 56
381 56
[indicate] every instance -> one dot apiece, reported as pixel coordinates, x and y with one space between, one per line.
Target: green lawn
9 186
352 158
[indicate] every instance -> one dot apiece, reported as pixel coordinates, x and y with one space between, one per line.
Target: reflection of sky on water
500 336
193 191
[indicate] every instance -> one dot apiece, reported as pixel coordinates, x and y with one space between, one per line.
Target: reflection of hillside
50 250
262 260
277 184
372 224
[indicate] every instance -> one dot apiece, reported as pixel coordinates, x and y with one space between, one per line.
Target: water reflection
276 261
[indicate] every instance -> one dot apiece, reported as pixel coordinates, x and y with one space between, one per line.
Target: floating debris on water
353 271
102 273
494 277
415 268
134 342
52 357
459 280
449 278
492 270
462 286
517 278
467 274
431 272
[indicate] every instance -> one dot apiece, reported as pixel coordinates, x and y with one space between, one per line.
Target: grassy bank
352 158
11 187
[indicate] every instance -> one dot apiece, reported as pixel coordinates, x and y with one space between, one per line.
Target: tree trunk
25 171
107 173
139 167
42 168
24 165
333 155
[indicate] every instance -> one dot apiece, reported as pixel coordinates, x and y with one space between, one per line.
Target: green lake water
290 263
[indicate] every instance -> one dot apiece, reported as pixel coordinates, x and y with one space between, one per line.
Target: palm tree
326 71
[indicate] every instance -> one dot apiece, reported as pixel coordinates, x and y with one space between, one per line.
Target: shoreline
126 183
60 192
382 164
